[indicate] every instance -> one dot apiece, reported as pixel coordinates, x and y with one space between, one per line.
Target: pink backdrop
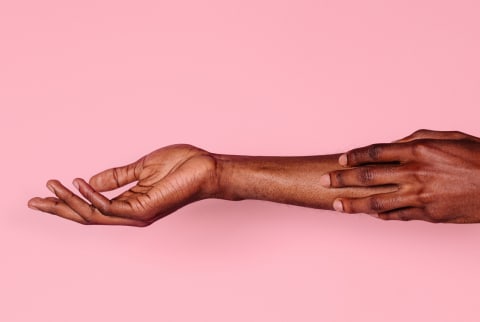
86 85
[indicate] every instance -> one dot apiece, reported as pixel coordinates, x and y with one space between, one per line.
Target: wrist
224 177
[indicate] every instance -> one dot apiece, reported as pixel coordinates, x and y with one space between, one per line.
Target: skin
436 174
177 175
429 175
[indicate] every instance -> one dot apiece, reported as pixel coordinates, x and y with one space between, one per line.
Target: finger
436 135
111 208
375 204
462 220
406 214
116 177
89 213
76 203
365 176
376 153
59 208
56 207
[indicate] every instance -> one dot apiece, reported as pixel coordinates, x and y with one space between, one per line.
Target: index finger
112 208
376 153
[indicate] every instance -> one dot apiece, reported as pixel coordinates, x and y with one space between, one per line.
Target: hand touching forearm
174 176
289 180
437 175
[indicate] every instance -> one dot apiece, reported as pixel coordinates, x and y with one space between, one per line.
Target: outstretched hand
167 179
437 175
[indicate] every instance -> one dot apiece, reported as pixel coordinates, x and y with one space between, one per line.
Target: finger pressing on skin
376 153
115 177
405 214
374 204
57 207
364 176
115 208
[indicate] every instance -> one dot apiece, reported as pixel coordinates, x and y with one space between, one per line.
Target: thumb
115 177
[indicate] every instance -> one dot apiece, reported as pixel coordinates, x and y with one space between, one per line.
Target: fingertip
94 182
50 185
338 205
343 160
325 180
76 184
33 203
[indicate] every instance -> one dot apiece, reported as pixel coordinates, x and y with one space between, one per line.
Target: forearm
289 180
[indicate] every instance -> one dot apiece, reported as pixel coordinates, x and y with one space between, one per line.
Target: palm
167 179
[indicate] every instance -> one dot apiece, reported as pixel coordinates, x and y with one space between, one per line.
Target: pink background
86 85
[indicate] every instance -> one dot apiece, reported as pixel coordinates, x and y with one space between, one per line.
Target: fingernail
325 180
343 159
31 206
75 184
374 215
50 188
337 205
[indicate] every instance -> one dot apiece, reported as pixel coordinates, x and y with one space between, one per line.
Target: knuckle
88 217
433 216
375 205
349 206
374 151
404 215
384 217
115 175
69 195
104 207
424 198
366 175
420 148
337 179
421 132
352 157
52 208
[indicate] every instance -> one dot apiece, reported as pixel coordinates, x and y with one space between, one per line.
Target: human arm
174 176
437 175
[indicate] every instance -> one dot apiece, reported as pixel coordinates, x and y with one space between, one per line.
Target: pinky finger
56 207
405 214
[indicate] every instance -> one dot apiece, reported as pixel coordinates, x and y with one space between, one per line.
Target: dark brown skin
437 175
174 176
431 176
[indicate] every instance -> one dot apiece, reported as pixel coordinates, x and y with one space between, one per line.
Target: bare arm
174 176
289 180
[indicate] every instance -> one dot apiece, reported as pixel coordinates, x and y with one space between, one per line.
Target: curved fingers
111 208
70 206
116 177
56 207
